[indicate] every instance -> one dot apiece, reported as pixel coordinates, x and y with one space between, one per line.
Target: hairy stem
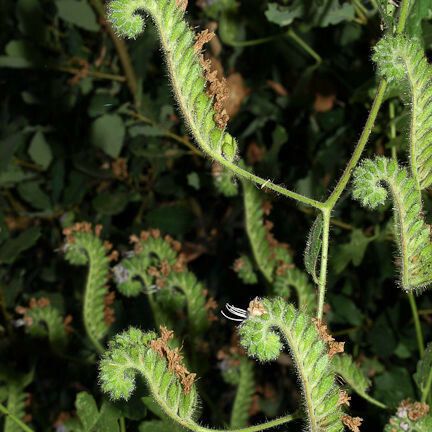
324 260
352 163
256 428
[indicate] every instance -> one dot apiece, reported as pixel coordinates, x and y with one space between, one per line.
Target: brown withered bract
173 357
344 398
352 423
182 4
256 307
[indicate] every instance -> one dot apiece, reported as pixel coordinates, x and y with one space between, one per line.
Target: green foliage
423 377
89 131
344 366
305 291
224 181
256 231
14 386
403 62
309 353
412 234
91 418
313 248
245 382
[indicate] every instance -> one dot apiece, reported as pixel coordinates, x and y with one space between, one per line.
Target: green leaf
8 146
20 54
420 10
424 367
32 193
31 20
12 248
332 13
87 410
111 203
345 311
107 133
283 15
40 151
313 248
78 13
351 252
393 386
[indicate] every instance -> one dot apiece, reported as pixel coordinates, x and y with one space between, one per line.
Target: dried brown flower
352 423
256 307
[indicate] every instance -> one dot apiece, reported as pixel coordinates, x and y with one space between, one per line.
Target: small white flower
238 314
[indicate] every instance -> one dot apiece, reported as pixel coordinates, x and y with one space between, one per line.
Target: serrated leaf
12 248
107 133
344 366
353 251
424 367
40 151
78 13
313 248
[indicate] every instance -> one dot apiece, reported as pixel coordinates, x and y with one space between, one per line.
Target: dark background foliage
76 144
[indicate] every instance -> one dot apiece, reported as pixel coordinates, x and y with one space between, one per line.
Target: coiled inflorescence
84 247
156 266
412 234
170 383
196 89
272 323
402 61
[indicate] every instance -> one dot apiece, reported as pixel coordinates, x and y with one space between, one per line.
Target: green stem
392 128
373 401
302 44
256 428
122 424
16 420
290 33
427 389
403 15
418 329
324 259
343 181
266 183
